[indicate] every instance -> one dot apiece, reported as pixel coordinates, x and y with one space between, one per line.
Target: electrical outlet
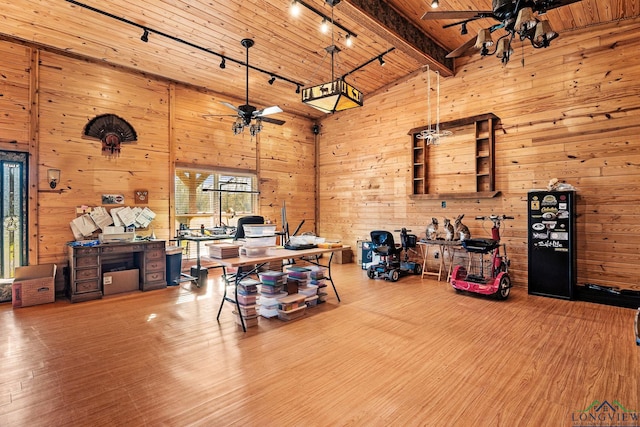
443 204
436 255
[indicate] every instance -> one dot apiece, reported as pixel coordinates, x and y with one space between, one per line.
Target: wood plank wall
570 113
171 127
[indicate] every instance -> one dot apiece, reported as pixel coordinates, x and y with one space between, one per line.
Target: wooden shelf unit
419 166
485 126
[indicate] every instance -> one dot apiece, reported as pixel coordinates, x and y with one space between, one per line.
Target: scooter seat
480 245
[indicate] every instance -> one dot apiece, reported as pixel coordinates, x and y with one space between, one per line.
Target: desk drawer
158 245
154 254
155 276
86 261
85 251
155 265
87 286
122 249
87 273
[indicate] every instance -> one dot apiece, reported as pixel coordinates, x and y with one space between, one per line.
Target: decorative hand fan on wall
112 131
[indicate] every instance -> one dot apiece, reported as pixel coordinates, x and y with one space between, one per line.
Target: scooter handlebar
492 217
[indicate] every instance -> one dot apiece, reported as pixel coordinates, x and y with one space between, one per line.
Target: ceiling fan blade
463 50
219 115
467 48
272 121
233 107
269 110
457 14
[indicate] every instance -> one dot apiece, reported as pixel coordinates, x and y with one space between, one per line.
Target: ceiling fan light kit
516 17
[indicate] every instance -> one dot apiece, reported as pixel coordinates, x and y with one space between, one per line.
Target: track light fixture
463 29
271 80
295 8
145 38
298 89
326 20
381 60
324 26
435 4
348 40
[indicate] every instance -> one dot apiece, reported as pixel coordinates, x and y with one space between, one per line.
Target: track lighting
324 27
463 29
145 36
348 40
271 80
381 61
298 89
223 63
295 9
435 4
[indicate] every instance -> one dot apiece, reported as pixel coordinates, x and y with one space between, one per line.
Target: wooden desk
448 246
87 264
250 265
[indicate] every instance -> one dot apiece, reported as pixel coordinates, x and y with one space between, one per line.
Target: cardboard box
5 289
344 256
33 285
115 282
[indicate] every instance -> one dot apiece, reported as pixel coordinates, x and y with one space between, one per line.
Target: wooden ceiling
187 36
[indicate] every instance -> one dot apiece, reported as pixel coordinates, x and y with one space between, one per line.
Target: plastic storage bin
256 242
252 252
249 321
249 299
259 230
292 314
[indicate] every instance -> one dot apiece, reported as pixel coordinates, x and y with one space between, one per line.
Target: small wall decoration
112 199
112 131
141 197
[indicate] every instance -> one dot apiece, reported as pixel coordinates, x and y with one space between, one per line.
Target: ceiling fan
514 16
248 115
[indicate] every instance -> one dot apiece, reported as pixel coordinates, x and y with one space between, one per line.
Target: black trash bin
174 265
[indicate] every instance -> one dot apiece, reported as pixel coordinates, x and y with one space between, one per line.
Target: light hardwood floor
410 353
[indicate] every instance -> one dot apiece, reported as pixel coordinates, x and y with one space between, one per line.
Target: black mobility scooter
392 264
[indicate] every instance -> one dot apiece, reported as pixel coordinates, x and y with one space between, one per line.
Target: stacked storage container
318 278
271 289
291 307
297 277
247 299
258 239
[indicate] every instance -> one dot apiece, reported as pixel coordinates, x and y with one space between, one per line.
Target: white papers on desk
116 218
126 215
101 217
83 226
145 217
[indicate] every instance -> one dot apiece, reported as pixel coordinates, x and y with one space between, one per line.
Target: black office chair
229 274
250 219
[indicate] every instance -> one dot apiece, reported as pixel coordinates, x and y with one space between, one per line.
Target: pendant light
431 135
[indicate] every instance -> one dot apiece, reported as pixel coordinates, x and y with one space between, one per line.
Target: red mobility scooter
487 269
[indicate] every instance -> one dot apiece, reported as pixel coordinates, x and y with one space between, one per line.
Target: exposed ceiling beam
379 17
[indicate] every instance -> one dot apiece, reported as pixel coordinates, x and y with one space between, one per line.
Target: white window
213 199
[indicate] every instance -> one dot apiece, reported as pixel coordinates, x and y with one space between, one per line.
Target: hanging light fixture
526 27
336 95
433 135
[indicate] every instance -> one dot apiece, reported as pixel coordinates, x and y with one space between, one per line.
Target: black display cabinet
552 243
